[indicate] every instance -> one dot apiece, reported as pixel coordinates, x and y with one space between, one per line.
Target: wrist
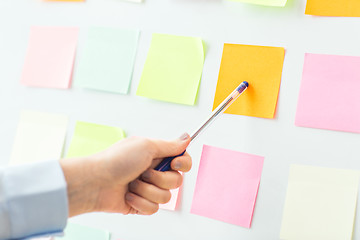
82 187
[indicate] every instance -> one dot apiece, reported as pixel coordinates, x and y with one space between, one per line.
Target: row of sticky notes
341 8
227 183
41 136
173 69
336 8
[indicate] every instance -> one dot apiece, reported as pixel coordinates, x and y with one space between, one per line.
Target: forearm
82 184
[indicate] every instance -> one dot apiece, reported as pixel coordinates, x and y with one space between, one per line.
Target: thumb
171 148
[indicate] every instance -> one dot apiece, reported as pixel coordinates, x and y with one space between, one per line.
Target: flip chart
50 57
329 97
227 185
39 136
261 67
173 69
320 203
108 59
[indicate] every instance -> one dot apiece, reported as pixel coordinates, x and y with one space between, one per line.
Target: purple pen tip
246 83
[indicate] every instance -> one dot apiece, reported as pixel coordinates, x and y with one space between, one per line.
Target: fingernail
146 175
184 137
129 197
177 165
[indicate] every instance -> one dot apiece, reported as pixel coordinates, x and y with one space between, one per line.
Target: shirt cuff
34 199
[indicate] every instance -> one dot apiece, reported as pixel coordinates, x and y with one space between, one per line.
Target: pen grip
166 162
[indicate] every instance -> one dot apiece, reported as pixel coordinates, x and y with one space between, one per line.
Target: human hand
122 179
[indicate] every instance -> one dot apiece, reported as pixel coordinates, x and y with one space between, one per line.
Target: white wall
216 22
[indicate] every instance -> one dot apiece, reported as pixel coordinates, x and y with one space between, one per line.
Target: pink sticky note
50 57
329 94
227 185
172 204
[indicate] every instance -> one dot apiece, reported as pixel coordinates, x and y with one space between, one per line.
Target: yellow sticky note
335 8
261 67
173 69
90 138
320 203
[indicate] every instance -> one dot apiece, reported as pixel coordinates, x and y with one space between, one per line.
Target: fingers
141 205
164 149
164 180
150 192
182 163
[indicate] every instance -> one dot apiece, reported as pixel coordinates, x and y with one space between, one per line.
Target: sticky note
172 204
39 136
76 232
261 67
64 0
273 3
320 203
90 138
108 59
227 185
335 8
173 69
50 57
329 96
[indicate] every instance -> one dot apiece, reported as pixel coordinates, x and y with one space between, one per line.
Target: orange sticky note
261 67
335 8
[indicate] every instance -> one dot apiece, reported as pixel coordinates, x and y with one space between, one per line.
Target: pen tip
246 83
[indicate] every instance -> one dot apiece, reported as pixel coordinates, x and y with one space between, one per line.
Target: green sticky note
274 3
107 60
78 232
90 138
173 69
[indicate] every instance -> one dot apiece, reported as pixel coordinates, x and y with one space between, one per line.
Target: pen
165 163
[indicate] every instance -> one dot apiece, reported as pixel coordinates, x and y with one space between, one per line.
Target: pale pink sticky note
329 94
172 204
227 185
50 57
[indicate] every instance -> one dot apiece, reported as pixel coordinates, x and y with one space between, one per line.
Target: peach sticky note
335 8
329 94
261 67
320 203
50 57
227 185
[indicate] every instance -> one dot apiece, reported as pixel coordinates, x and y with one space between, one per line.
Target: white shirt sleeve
33 200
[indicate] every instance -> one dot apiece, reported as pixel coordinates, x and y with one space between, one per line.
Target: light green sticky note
108 59
320 203
173 69
274 3
90 138
79 232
